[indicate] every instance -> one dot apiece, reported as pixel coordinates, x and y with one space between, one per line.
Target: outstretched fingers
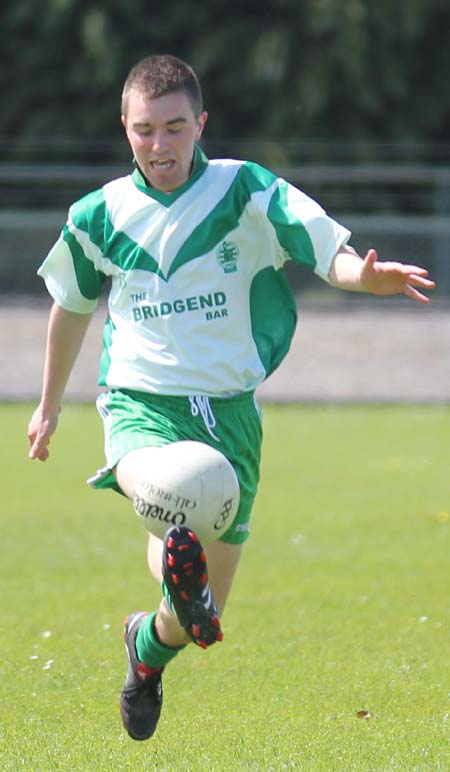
414 281
414 269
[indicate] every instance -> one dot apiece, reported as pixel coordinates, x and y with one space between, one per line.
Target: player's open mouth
162 165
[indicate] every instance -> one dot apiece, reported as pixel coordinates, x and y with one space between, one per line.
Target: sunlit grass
340 607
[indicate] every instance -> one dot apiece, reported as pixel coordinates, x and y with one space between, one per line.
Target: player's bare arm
352 272
65 336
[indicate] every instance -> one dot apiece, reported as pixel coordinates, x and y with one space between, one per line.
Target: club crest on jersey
227 256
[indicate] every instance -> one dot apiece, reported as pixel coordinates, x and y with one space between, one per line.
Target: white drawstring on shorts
201 406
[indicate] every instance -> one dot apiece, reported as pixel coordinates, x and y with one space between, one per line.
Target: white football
190 484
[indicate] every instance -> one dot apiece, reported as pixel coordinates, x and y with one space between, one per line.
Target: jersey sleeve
303 229
71 269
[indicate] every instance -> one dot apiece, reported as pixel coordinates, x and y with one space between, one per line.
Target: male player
199 315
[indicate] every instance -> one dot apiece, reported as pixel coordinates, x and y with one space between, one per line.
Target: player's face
162 133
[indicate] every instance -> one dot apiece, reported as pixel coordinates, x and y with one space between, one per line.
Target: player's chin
164 180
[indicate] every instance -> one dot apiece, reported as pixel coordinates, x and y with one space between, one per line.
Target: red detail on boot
184 595
170 542
202 557
201 643
203 578
175 579
171 560
193 536
219 636
142 671
196 630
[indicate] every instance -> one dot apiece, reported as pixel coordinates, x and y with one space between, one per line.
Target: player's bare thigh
134 466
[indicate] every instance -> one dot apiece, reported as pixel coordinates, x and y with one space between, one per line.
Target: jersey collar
199 164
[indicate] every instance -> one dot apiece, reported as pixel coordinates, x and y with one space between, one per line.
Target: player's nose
159 140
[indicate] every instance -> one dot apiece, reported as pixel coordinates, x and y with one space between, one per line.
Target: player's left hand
386 278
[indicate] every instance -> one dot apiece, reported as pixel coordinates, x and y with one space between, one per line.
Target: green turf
341 605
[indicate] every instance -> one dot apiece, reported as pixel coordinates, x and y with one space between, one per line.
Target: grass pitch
336 650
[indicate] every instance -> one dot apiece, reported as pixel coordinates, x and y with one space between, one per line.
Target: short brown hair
163 74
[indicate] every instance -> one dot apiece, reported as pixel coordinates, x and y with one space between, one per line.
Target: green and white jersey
198 302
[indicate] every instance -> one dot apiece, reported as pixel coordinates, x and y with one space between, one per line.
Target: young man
199 315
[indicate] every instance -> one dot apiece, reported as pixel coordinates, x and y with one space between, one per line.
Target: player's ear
203 117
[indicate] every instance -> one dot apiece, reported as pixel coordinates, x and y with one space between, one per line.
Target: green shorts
135 419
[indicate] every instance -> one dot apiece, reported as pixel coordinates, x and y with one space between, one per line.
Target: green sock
149 649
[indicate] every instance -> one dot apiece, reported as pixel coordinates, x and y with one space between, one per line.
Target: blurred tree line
281 71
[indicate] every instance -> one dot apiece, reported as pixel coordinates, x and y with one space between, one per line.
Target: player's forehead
157 111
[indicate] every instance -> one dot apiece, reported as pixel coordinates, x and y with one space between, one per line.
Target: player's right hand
40 429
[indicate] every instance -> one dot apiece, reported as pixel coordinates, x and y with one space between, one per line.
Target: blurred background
347 99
